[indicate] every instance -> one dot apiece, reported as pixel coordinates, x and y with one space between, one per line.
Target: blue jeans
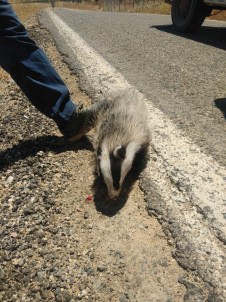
30 68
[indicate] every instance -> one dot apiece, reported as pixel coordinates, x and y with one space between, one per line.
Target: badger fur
121 132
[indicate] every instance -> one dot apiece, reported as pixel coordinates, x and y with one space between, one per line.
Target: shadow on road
45 143
221 104
213 36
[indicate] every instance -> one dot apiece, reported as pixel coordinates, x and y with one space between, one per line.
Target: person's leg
30 68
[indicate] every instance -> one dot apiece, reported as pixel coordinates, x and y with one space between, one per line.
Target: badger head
115 164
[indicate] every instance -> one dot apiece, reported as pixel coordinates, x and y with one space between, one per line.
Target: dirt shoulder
56 244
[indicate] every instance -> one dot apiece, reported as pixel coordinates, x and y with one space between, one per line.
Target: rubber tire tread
197 14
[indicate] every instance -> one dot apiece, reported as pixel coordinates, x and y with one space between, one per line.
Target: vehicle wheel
188 15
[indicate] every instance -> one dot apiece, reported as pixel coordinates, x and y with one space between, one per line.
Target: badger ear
120 152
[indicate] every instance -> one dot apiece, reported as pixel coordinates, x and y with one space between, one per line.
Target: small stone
90 271
101 268
2 273
44 295
28 211
92 256
66 296
58 298
86 215
122 299
9 180
41 275
18 262
13 234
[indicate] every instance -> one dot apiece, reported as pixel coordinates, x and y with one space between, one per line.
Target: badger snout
110 169
113 194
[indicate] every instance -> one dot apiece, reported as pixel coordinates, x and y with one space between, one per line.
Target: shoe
80 123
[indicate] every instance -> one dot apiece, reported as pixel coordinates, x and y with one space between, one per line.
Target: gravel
55 244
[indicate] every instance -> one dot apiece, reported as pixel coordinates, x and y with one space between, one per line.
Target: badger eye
120 152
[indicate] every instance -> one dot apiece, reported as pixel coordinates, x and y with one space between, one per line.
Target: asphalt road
184 76
183 81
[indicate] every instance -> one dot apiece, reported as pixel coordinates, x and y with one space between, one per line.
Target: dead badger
121 132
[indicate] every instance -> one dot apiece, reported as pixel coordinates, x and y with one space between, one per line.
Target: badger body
122 131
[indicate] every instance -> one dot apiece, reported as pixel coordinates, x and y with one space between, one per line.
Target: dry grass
154 8
26 10
218 15
81 6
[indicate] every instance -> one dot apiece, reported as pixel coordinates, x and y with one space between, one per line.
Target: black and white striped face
115 165
110 164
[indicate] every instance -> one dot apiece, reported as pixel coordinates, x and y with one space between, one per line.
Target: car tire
188 15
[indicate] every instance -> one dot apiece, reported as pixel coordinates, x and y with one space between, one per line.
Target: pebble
9 180
18 262
123 299
41 275
101 268
1 273
86 215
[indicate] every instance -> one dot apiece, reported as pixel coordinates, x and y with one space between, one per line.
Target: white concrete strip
200 179
197 247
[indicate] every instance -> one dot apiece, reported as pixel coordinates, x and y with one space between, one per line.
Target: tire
188 15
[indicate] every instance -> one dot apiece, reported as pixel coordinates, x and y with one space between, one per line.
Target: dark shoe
81 122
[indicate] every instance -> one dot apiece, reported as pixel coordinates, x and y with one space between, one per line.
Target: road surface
183 80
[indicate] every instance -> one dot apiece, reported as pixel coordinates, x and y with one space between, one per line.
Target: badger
122 131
